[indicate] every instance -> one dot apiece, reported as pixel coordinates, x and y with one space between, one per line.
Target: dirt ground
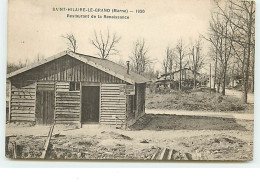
203 138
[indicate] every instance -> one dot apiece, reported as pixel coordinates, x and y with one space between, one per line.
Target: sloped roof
102 64
166 74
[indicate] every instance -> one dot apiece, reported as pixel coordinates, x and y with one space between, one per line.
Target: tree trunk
225 62
219 82
249 34
253 72
224 84
180 74
216 65
194 81
224 79
215 74
253 78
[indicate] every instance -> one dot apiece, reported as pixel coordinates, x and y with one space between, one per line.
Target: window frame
74 86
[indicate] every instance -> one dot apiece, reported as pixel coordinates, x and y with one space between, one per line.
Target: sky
35 29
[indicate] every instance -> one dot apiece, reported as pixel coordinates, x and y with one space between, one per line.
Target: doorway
45 100
90 104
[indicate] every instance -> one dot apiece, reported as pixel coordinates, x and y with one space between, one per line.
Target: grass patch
196 101
174 122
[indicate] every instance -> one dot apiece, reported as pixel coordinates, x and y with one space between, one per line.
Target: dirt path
245 116
238 94
203 139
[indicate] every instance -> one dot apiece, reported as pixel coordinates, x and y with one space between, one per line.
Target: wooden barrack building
76 88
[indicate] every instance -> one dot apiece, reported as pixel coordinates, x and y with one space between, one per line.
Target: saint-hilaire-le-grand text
112 13
98 10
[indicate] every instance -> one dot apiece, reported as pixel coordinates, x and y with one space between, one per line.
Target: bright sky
34 28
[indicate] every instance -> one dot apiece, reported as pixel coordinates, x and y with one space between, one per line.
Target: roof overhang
78 57
56 56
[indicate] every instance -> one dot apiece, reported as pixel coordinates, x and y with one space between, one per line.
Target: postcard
130 80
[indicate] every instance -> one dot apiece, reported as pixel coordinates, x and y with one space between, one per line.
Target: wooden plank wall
130 109
22 103
67 68
67 104
45 85
140 100
113 104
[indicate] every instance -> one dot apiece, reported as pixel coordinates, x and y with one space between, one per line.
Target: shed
75 88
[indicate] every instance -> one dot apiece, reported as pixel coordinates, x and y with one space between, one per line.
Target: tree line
231 36
106 44
180 56
232 39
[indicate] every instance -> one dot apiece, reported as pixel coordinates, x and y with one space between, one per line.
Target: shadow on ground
178 122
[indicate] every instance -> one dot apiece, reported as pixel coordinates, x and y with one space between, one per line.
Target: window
74 86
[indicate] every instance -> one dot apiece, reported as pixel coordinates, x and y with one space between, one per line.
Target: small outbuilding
75 88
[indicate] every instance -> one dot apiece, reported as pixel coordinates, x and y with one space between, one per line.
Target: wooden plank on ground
46 145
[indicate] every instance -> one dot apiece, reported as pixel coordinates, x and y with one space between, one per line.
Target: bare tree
169 60
105 43
197 60
213 54
221 37
179 56
253 68
72 42
165 65
139 57
241 18
214 38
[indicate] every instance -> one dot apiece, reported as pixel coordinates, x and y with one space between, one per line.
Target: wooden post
35 100
55 97
7 138
100 102
155 155
80 105
125 108
170 154
14 150
10 99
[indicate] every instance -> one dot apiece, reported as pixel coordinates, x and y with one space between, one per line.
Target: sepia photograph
130 80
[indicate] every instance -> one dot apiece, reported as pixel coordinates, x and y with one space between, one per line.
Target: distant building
171 80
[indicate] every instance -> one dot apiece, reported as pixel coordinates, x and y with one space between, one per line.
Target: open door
90 104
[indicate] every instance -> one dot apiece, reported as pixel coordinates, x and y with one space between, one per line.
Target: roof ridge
106 65
106 60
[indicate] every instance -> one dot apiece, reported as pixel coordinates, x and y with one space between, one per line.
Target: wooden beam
55 97
9 104
100 88
164 154
155 155
46 145
14 150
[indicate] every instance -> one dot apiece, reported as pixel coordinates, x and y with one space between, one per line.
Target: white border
86 164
